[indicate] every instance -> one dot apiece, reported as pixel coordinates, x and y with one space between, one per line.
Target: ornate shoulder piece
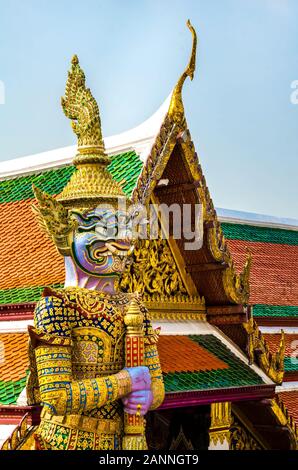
38 336
54 219
176 109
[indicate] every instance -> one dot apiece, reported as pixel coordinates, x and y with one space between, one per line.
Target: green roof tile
50 181
261 310
238 374
125 168
291 364
23 294
259 234
10 391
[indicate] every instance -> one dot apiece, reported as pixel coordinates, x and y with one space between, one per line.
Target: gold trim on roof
286 420
180 307
258 350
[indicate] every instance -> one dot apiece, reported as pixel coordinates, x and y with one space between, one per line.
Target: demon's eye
90 228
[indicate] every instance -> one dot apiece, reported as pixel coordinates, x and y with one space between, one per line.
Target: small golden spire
80 106
176 108
91 184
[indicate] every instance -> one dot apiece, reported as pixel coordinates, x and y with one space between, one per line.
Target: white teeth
111 248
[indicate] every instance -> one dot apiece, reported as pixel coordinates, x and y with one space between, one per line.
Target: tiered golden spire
91 184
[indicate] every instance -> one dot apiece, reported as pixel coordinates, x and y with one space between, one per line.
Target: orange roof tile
27 256
179 354
290 400
13 356
274 278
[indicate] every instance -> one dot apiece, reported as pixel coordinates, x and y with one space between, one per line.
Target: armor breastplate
96 353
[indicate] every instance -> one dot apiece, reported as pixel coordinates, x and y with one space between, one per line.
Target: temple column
219 431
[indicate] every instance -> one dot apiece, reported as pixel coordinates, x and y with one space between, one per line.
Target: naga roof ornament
176 108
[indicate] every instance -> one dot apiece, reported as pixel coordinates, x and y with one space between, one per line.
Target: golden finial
80 106
176 109
91 184
133 318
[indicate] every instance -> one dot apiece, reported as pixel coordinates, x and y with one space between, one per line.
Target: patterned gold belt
84 423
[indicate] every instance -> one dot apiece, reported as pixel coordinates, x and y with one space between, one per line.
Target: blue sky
238 107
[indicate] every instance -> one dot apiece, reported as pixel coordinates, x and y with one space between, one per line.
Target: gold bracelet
124 383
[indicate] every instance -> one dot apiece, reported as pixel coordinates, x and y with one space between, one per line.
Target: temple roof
203 363
25 250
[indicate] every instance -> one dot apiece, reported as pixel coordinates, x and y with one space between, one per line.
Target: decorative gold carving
178 258
241 439
258 350
220 415
176 108
237 285
152 271
89 186
54 220
280 411
18 436
156 162
154 274
181 307
254 437
180 442
134 319
221 420
226 429
185 276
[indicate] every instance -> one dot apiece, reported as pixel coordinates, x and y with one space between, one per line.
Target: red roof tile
273 341
274 274
13 356
27 256
290 400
